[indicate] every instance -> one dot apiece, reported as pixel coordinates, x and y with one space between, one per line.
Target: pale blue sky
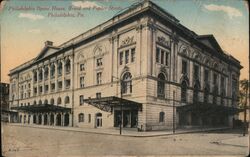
227 20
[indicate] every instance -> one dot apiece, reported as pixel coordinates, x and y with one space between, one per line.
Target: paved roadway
25 141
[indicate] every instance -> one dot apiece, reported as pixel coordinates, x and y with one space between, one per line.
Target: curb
126 135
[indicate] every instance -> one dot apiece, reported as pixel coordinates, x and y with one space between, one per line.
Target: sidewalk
125 132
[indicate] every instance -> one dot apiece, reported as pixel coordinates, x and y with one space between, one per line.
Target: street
26 141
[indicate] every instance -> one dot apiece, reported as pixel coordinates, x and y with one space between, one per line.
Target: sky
26 25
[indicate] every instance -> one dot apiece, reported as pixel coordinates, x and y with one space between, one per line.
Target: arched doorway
40 119
34 119
98 120
52 119
58 120
66 119
45 121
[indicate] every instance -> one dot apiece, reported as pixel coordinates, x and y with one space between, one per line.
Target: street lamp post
121 106
173 112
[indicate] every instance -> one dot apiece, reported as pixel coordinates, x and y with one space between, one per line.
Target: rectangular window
89 118
158 55
60 85
53 86
206 77
121 58
166 59
162 57
126 56
67 84
81 100
184 67
82 67
133 55
215 79
196 72
35 90
98 95
81 82
222 85
46 89
40 89
99 78
99 62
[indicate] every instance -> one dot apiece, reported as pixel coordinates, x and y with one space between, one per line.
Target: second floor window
67 83
196 72
40 89
81 82
46 88
126 56
60 85
184 67
52 86
161 86
99 62
133 55
99 78
82 67
121 58
126 83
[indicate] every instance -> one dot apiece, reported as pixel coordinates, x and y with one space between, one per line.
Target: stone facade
161 61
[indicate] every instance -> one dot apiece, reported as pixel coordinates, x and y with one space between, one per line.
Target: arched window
161 117
59 101
34 102
52 101
66 100
81 117
45 101
40 102
67 66
52 70
59 68
183 91
161 86
126 83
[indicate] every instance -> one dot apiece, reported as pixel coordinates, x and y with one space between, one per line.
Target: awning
107 103
208 109
42 108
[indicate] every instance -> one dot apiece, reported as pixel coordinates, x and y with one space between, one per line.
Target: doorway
98 120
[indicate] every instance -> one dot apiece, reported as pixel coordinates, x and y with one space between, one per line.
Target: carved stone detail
127 41
163 41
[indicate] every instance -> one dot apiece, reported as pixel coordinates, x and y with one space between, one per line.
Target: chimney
48 43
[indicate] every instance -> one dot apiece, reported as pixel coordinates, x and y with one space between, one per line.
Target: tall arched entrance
34 119
40 119
52 119
45 121
66 119
58 120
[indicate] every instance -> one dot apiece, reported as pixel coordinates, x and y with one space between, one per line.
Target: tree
243 95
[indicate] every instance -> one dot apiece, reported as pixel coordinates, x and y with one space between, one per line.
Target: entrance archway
66 119
34 119
52 119
45 121
40 119
99 120
58 120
